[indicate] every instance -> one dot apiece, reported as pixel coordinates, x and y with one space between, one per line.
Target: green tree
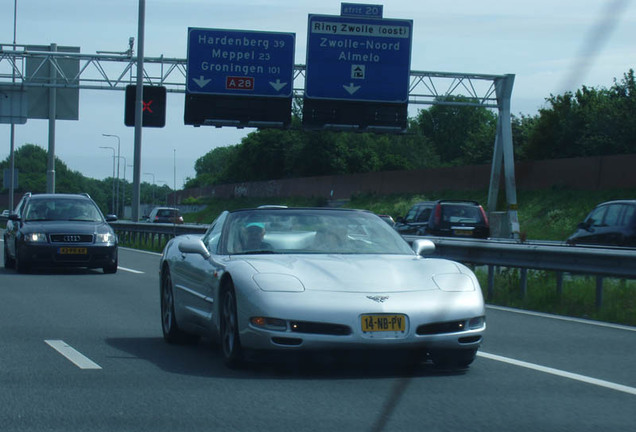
588 122
31 163
459 134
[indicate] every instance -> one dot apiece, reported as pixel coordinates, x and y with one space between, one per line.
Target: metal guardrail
598 261
585 260
152 234
558 257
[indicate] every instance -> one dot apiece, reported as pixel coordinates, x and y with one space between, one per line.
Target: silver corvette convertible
291 279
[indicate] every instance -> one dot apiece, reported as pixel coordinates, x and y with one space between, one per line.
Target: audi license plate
72 251
382 323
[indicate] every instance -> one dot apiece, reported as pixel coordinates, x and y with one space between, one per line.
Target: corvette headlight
36 238
278 282
105 238
454 282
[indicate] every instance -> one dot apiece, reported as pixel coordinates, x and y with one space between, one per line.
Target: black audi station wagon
59 230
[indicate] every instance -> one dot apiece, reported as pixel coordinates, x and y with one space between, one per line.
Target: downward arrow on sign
201 81
277 85
351 88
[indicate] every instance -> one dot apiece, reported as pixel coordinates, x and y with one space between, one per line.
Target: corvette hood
356 273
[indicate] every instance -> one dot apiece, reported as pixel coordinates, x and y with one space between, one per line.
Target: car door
611 231
602 225
629 225
196 279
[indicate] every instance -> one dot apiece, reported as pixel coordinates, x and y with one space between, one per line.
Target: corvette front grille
320 328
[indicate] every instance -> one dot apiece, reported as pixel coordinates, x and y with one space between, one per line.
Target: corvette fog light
269 323
476 323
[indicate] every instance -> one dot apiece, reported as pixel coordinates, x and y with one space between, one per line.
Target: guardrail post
491 281
599 291
523 281
559 283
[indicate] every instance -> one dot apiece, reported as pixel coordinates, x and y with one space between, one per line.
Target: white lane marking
563 318
77 358
561 373
130 270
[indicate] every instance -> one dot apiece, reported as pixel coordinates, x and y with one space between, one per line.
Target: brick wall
590 173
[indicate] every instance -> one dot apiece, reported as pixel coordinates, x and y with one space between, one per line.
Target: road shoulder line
560 373
563 318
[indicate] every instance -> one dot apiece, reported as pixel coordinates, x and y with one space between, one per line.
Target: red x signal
153 106
146 106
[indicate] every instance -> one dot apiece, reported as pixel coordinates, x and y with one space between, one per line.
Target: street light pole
112 209
12 139
118 157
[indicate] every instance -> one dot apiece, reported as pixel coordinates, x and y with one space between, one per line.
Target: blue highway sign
358 59
240 63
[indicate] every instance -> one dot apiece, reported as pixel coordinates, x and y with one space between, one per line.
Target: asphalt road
82 351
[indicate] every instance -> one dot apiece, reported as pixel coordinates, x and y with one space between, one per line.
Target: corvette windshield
311 232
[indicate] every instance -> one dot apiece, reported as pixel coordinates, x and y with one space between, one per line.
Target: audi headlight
36 238
105 238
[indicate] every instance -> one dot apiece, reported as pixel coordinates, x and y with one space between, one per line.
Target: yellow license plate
73 251
463 232
383 323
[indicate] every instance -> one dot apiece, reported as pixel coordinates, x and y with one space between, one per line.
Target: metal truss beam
116 71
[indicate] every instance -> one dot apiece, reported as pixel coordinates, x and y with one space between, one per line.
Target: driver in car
254 234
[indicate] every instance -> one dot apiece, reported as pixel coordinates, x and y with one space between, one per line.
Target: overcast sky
551 47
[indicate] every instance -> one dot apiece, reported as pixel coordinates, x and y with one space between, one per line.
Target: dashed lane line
130 270
71 354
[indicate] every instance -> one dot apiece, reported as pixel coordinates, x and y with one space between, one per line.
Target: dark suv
66 230
611 223
415 219
165 215
448 218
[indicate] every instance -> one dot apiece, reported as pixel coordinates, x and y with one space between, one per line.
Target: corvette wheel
171 331
230 342
8 261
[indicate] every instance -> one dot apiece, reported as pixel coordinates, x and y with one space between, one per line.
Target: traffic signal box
154 106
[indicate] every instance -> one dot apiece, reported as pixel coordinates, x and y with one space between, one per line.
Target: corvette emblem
379 299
